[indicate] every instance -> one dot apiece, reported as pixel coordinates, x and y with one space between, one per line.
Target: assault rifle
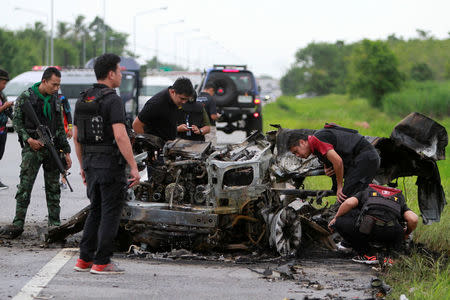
9 113
45 136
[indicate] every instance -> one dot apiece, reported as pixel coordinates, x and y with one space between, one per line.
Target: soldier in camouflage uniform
43 97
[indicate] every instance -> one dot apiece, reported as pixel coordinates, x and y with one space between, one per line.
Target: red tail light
230 71
41 68
256 114
257 101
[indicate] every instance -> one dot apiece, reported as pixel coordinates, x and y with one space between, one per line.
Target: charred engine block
178 176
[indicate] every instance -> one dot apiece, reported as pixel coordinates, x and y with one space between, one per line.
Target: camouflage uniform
32 160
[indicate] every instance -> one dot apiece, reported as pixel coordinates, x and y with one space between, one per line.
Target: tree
292 82
424 34
154 63
373 71
324 68
62 29
421 72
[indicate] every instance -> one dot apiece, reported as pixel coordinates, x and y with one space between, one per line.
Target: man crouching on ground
374 215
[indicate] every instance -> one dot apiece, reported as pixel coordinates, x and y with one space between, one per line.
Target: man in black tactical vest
44 101
374 215
103 149
193 121
345 154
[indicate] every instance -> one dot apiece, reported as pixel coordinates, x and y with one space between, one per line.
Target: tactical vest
348 142
38 108
192 114
90 122
382 207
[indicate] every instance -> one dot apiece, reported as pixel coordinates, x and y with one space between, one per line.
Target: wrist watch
201 132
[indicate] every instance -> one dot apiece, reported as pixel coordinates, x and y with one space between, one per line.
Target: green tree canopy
373 71
73 45
421 72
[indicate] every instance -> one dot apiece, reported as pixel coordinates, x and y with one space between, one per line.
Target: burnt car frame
251 195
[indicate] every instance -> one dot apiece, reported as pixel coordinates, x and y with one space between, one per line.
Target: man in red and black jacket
345 153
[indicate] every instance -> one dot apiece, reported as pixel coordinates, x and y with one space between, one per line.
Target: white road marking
32 289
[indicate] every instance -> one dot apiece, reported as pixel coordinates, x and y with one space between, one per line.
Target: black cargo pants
389 236
106 189
361 172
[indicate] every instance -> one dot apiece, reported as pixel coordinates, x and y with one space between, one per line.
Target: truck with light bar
237 98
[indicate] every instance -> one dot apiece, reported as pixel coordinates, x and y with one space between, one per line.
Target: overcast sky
264 34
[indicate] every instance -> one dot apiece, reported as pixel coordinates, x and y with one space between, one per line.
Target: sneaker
110 268
365 259
343 247
10 231
83 266
3 186
388 262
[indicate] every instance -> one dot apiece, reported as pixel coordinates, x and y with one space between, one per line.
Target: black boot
10 231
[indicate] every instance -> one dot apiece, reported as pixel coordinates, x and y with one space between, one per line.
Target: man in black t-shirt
159 115
206 98
375 214
103 150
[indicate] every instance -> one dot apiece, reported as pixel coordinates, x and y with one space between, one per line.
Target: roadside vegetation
431 98
425 273
74 44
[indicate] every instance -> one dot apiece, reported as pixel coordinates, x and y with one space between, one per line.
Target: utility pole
104 26
51 38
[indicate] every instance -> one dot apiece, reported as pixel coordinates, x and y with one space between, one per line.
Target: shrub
421 72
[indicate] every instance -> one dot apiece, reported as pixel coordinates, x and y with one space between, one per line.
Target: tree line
367 68
74 44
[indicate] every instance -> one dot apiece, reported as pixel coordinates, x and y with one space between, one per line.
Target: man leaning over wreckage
44 100
160 114
345 153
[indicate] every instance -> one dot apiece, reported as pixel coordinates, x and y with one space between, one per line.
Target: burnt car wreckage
251 195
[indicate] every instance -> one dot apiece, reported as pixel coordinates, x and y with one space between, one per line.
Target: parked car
237 97
152 85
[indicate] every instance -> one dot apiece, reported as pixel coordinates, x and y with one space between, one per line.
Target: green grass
290 112
431 98
420 276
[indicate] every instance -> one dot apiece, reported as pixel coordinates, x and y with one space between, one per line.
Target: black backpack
382 207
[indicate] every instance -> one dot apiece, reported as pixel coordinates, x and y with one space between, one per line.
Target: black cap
4 75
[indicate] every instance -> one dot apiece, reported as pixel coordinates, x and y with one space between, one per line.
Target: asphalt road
31 271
